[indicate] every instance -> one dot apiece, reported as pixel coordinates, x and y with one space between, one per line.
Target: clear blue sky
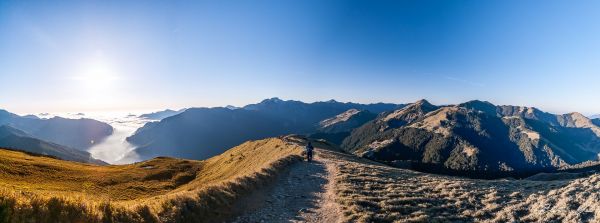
105 55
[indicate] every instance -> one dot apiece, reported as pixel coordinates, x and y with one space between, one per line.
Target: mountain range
159 115
476 138
80 134
12 138
199 133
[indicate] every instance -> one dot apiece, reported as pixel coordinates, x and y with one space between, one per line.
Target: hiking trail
302 193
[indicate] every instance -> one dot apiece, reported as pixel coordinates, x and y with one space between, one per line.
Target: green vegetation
43 189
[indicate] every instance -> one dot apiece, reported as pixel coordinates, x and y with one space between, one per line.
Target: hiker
309 151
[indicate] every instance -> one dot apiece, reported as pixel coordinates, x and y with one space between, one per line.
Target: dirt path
304 193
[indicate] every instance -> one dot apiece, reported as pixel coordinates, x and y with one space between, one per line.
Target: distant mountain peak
411 112
478 102
577 115
578 120
422 105
423 102
479 105
273 100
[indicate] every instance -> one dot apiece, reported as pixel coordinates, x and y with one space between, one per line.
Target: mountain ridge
16 139
222 128
159 115
75 133
477 138
159 190
337 128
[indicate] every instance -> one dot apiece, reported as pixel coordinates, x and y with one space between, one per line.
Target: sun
96 83
97 75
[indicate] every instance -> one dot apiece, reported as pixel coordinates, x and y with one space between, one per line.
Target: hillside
43 189
203 132
337 128
340 187
476 139
371 192
19 140
199 133
75 133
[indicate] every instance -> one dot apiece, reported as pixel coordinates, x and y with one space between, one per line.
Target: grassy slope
43 189
371 192
48 176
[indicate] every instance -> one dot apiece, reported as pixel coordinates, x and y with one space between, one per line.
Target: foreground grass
42 189
371 192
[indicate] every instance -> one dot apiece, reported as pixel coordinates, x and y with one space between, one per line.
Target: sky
72 56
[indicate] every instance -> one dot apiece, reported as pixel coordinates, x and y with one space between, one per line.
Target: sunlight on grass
158 190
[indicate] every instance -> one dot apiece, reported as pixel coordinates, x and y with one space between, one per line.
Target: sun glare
97 75
96 83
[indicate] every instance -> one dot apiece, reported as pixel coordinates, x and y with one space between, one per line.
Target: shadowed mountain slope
75 133
476 139
337 128
199 133
18 140
596 121
203 132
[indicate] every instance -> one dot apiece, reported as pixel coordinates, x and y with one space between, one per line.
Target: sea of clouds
114 149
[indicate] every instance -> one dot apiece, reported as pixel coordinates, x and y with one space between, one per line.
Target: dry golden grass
42 189
52 177
371 192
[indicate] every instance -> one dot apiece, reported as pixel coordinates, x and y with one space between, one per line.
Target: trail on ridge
303 193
